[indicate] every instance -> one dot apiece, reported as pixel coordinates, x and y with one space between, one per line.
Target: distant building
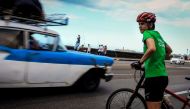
127 50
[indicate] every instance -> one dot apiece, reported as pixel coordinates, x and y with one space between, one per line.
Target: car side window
11 38
33 43
39 41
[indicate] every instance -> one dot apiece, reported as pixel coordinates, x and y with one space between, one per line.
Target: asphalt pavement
69 98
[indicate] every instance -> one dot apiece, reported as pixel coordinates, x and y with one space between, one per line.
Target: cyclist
155 51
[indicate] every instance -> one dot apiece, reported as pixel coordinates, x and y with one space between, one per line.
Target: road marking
178 93
169 66
120 74
184 67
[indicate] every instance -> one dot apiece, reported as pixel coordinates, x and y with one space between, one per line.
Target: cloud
49 5
153 5
86 3
71 16
52 3
185 22
173 12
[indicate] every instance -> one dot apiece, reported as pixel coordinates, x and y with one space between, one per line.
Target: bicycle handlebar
137 66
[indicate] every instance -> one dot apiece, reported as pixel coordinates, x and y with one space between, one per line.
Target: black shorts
155 87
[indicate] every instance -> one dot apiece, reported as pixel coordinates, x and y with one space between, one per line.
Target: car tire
89 82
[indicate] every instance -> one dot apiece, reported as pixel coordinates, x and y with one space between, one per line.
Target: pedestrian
155 51
82 48
105 50
100 50
77 44
89 48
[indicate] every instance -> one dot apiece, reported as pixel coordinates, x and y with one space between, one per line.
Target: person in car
33 44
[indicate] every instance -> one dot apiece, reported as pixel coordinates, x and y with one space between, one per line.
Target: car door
12 58
45 65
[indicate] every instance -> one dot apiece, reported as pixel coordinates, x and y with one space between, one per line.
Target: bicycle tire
122 104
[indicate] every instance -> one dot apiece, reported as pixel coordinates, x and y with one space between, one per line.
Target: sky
113 22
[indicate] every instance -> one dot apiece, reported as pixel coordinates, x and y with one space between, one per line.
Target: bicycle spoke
120 99
138 104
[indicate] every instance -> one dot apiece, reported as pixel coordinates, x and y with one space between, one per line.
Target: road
69 98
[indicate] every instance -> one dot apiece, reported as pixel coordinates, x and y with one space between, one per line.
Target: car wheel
90 82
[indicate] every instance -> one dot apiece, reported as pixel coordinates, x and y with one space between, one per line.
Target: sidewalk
126 59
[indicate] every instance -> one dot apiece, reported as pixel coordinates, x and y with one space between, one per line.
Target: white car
32 56
177 60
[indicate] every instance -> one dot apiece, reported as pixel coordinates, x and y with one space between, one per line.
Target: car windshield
61 46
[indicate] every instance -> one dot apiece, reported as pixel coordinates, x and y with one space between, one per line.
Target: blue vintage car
32 56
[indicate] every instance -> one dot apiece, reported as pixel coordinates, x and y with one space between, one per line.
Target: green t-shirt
155 65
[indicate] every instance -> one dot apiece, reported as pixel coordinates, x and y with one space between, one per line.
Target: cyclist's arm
168 50
151 48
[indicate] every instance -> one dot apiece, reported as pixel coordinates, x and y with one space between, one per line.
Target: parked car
31 56
177 60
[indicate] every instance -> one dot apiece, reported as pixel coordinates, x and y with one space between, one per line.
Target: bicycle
126 98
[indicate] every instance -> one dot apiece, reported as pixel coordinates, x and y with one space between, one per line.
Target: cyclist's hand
136 65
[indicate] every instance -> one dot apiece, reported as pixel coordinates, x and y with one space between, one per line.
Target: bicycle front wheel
119 99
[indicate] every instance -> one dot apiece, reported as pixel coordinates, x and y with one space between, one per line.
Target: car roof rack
50 21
